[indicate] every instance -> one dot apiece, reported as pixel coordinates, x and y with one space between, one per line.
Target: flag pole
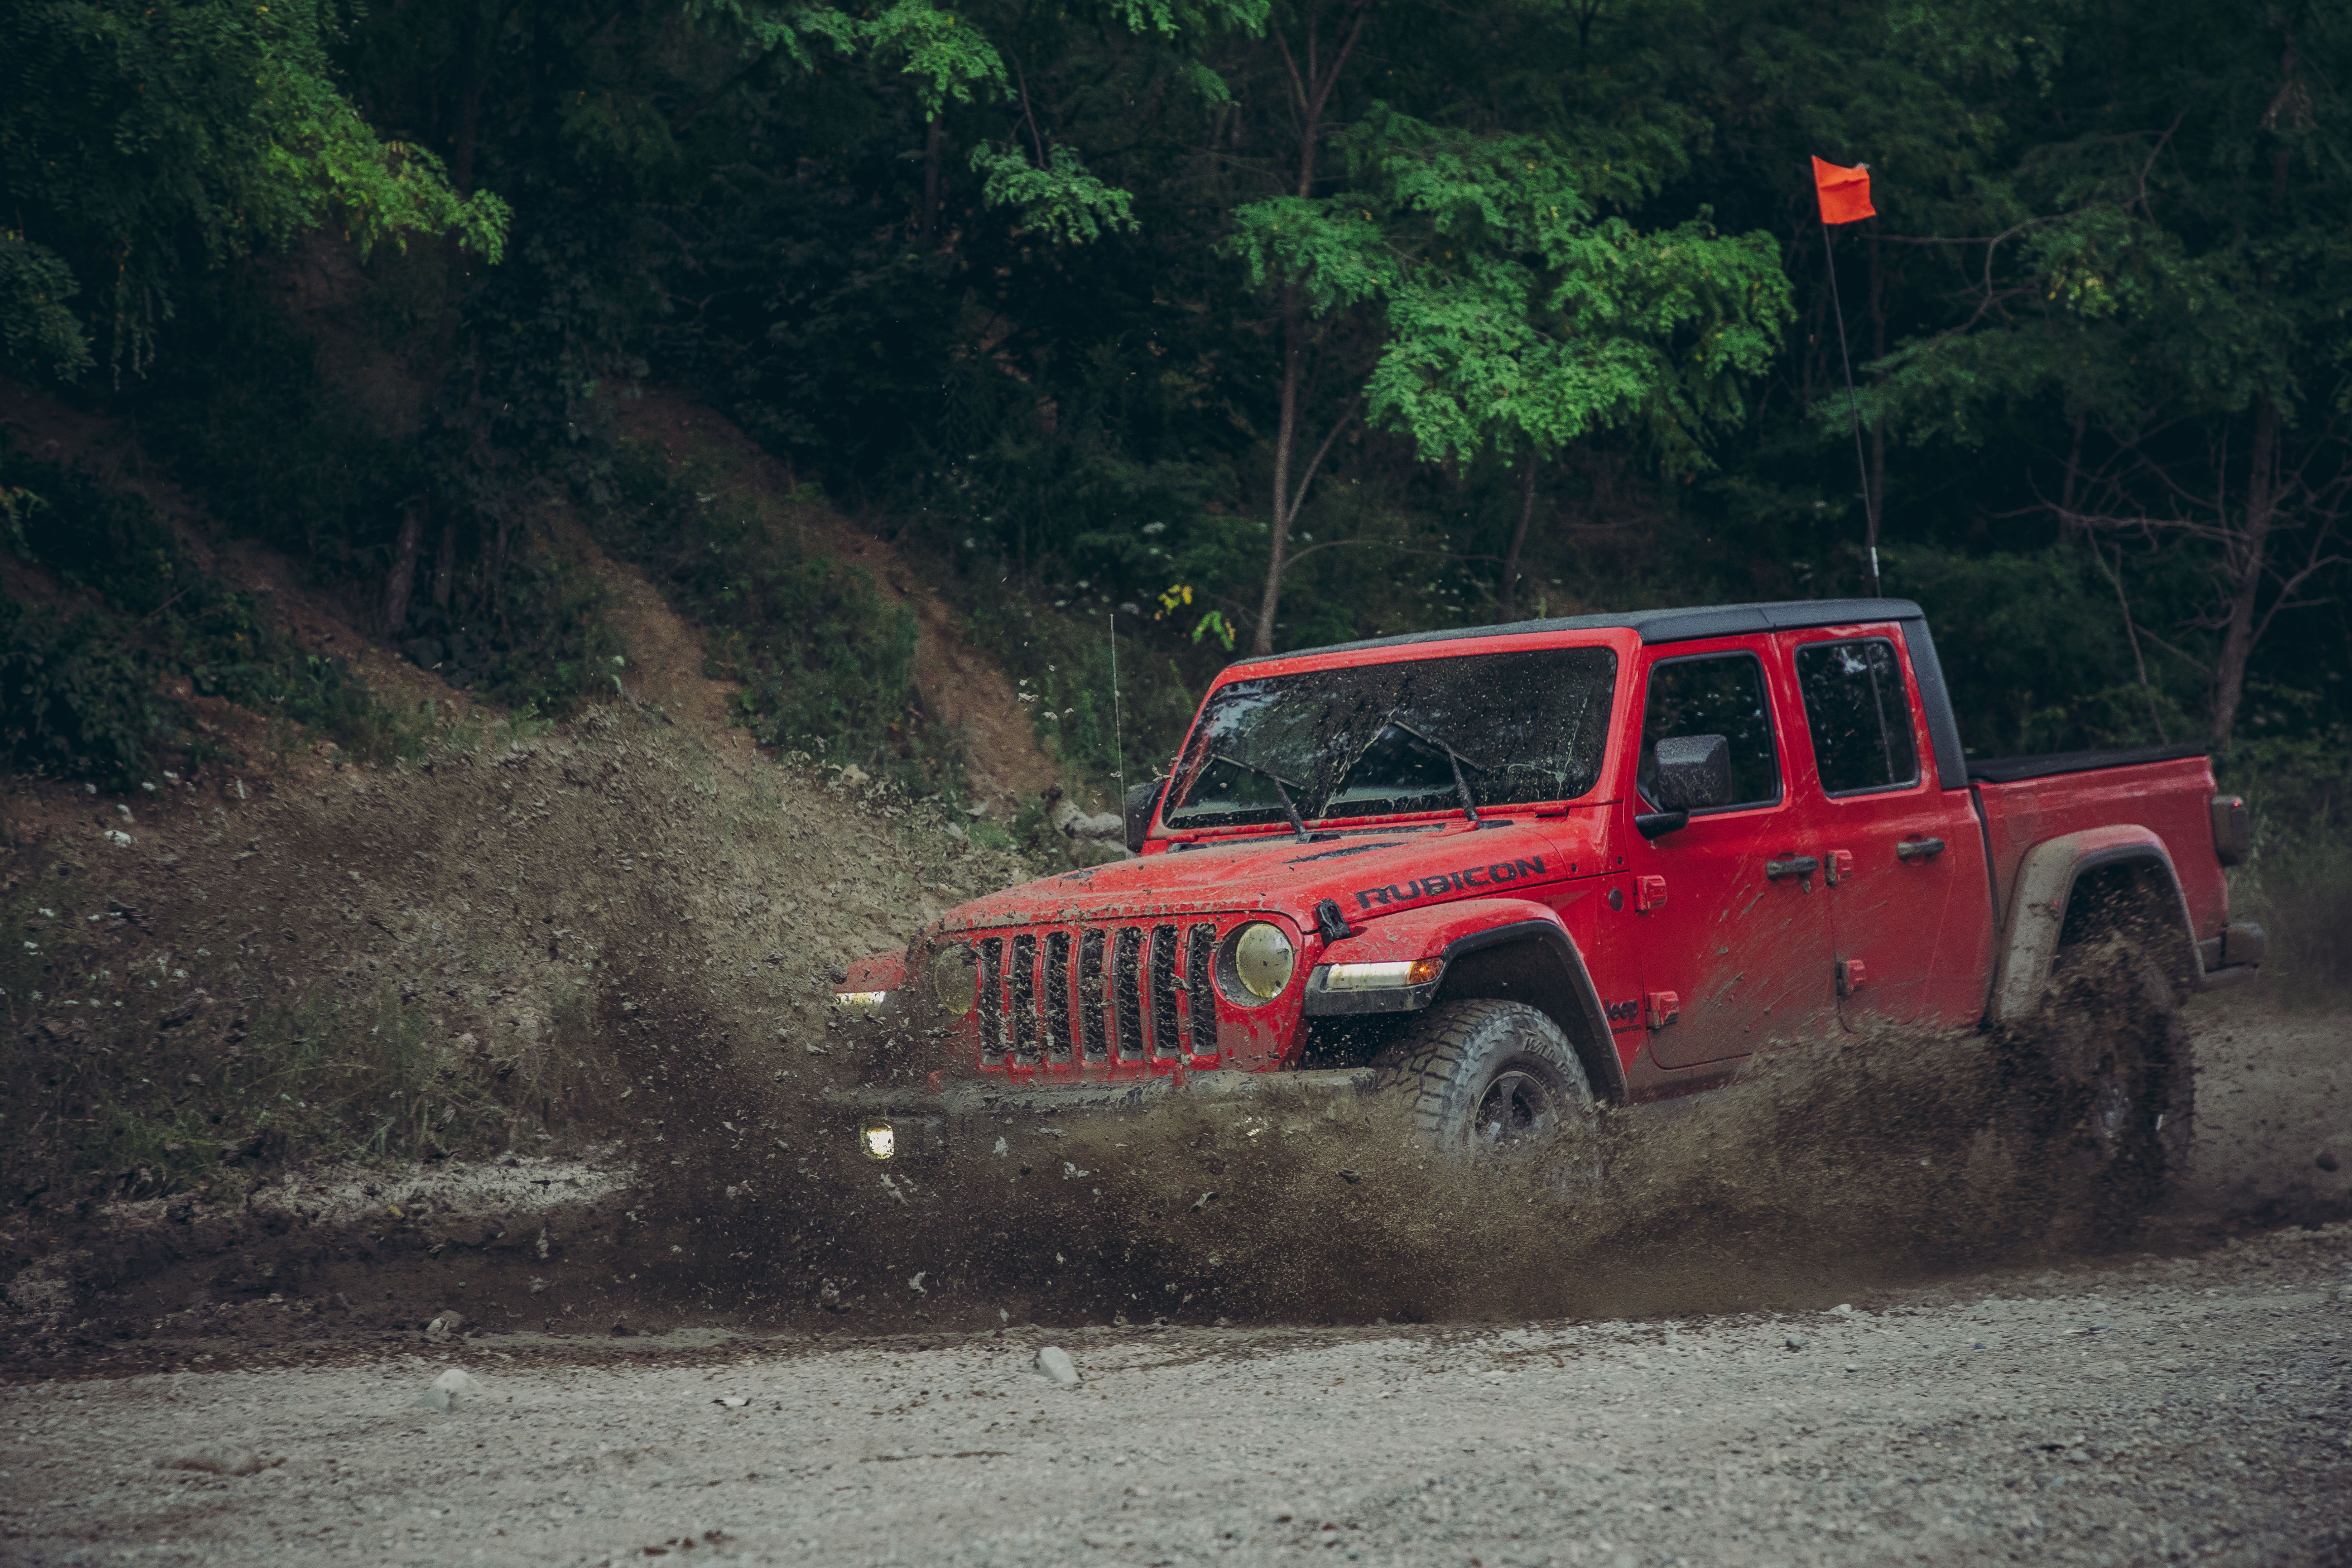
1854 411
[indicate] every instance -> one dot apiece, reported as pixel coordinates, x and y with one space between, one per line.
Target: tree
138 144
1512 316
2160 284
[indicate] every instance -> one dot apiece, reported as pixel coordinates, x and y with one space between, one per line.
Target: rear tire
1494 1080
2120 1084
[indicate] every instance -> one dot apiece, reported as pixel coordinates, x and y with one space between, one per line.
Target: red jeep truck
1515 872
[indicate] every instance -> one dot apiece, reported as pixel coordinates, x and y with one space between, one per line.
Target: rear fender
1515 949
2046 884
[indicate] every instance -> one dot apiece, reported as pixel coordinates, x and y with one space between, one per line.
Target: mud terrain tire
1489 1078
2120 1092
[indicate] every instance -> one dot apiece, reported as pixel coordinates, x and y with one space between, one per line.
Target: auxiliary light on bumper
1387 985
878 1139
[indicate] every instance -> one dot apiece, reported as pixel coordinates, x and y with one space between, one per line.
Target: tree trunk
445 566
1286 441
928 226
1313 91
2246 559
1518 541
397 587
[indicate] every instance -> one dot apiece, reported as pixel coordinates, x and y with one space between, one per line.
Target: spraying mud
603 962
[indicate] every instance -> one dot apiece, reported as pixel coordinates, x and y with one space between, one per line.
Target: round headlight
955 979
1261 961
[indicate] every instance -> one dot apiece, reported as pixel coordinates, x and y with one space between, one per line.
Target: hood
1366 872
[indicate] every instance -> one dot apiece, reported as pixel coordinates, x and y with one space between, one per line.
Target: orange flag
1844 192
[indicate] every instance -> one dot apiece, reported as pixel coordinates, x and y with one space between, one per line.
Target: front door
1891 845
1742 936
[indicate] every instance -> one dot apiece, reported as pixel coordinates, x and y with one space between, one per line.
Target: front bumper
925 1121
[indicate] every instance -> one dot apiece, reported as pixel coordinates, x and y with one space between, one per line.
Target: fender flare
1513 948
2044 883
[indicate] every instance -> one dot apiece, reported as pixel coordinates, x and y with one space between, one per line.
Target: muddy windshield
1506 729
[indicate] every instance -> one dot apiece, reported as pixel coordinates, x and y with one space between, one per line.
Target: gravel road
2134 1409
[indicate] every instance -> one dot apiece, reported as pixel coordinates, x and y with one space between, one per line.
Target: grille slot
1201 991
1055 998
991 1000
1127 983
1024 998
1094 1011
1167 1029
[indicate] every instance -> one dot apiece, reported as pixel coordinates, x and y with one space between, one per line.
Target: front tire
1490 1080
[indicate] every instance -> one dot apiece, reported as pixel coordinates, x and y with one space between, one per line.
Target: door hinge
1649 893
1665 1006
1836 866
1851 977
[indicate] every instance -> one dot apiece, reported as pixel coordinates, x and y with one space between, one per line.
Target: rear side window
1714 694
1859 715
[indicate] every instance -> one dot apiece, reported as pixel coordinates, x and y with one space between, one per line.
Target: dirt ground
2193 1401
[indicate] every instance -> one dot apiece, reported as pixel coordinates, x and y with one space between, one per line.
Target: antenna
1853 412
1117 729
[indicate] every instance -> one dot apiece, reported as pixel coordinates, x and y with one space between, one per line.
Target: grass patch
825 663
2298 882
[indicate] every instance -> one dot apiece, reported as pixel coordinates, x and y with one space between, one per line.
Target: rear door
1892 843
1742 936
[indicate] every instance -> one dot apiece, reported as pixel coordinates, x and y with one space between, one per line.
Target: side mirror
1694 773
1142 800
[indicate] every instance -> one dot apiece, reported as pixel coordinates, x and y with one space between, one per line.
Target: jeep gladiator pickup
1515 872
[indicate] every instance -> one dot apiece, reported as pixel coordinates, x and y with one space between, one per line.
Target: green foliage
87 678
1060 201
139 142
2298 882
824 664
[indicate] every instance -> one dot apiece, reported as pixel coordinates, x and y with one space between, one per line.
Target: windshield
1382 739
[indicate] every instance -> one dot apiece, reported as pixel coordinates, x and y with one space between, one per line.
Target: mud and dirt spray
1827 1168
621 940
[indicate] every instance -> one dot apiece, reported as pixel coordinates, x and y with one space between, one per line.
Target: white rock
443 1327
732 1401
450 1390
1054 1362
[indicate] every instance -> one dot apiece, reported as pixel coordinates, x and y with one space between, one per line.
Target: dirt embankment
959 686
624 933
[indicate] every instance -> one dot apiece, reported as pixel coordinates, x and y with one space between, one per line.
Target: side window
1714 694
1859 715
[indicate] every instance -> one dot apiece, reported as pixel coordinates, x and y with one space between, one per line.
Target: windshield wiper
1454 759
1280 782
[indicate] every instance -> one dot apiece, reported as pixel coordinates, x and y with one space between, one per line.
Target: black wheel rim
1519 1110
2111 1111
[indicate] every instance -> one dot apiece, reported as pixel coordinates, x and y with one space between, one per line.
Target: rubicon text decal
1449 882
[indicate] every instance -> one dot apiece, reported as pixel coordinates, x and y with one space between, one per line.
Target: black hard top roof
1658 626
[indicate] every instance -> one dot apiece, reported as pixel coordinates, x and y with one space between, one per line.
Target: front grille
1164 1032
1056 997
1127 981
1024 998
1099 994
1094 1011
992 1001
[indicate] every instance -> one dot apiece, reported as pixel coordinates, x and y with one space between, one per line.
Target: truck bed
2024 801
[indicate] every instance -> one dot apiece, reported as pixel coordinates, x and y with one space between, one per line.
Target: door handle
1791 866
1918 849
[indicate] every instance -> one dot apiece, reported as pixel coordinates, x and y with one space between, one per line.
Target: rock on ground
2141 1411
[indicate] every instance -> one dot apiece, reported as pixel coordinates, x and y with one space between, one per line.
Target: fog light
878 1139
858 999
1391 975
